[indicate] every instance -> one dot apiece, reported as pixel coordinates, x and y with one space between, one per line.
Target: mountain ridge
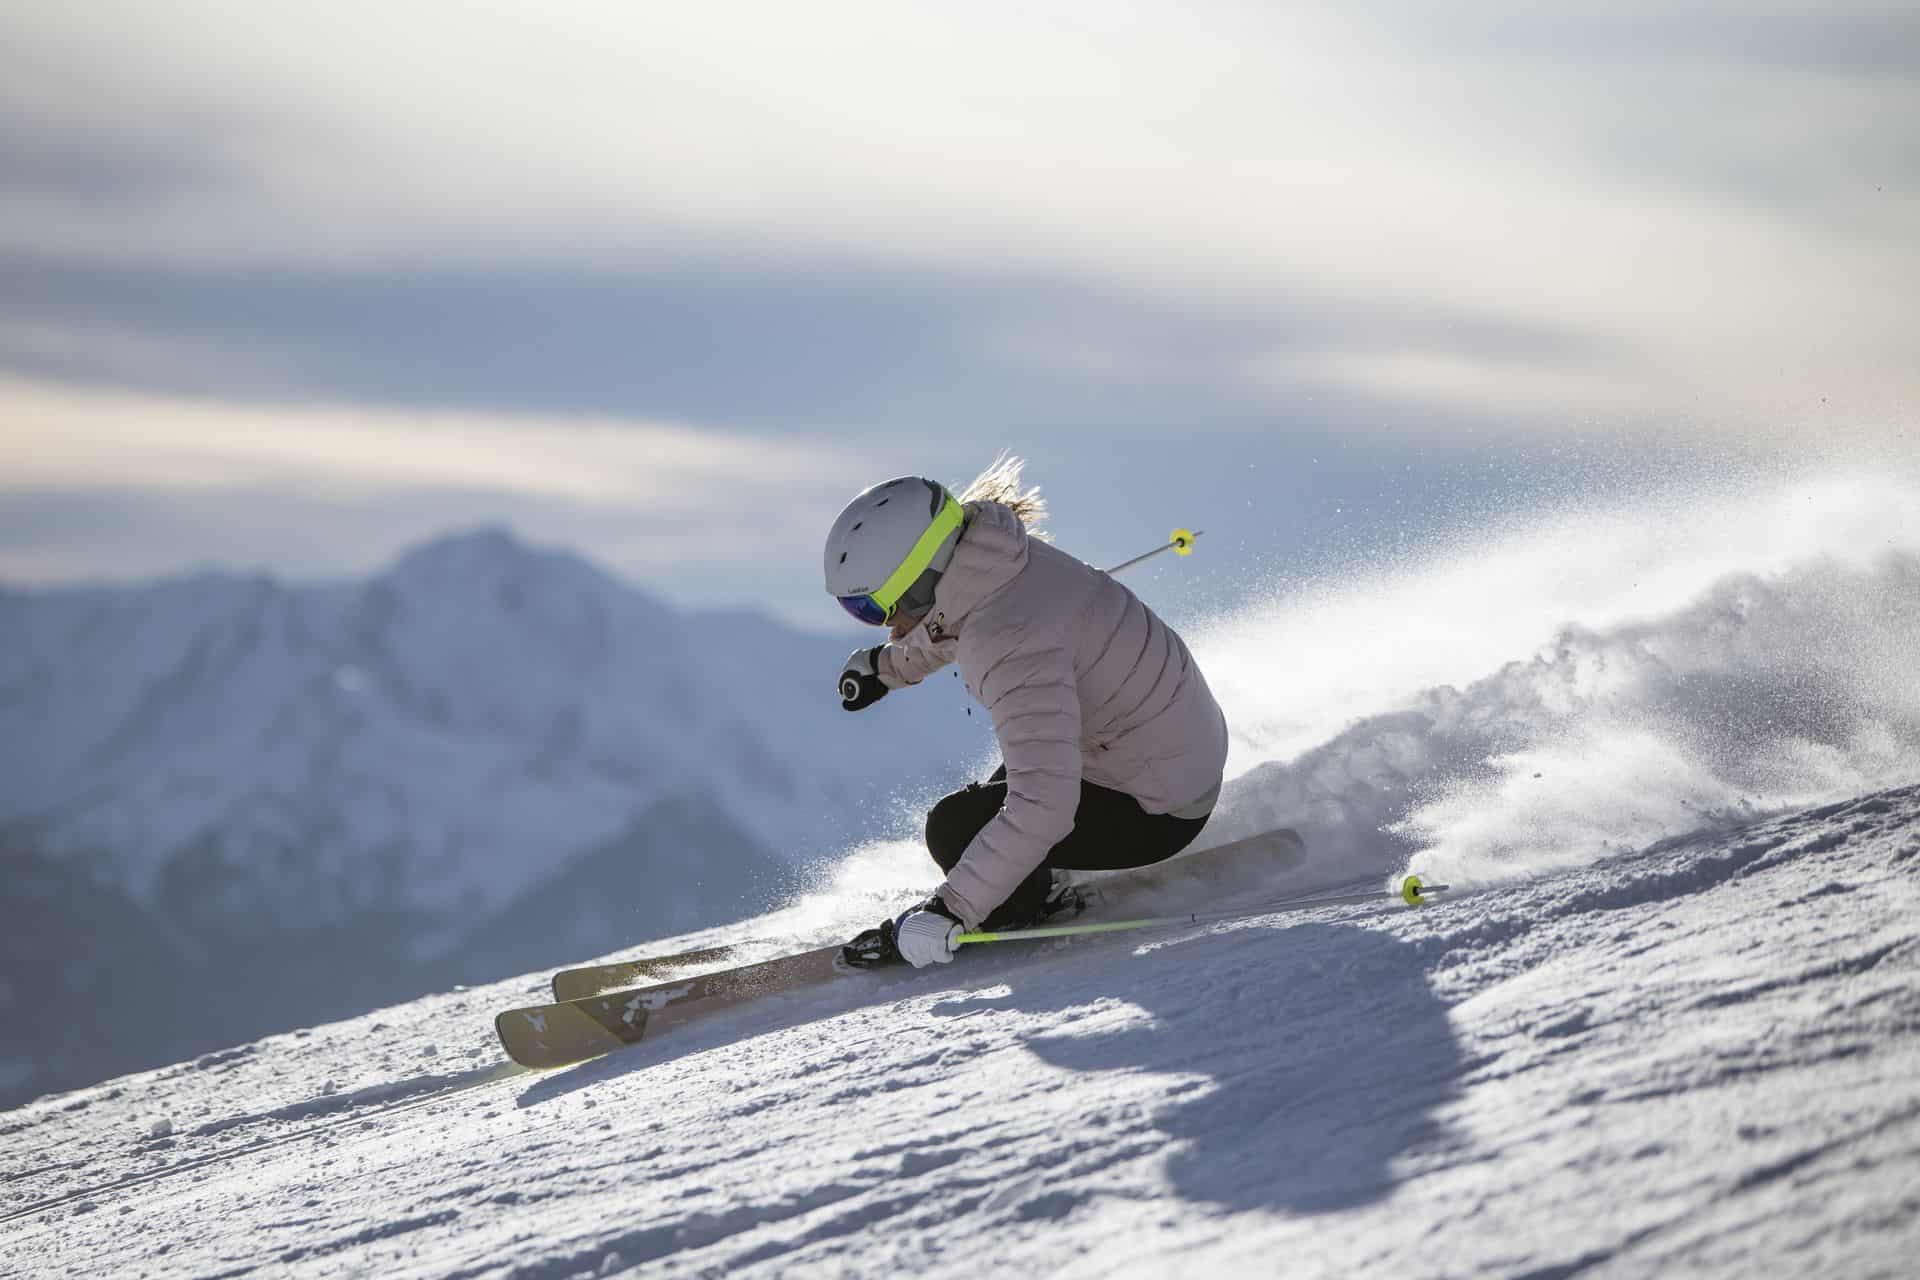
415 757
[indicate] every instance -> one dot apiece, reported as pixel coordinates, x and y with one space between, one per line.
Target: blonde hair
1000 483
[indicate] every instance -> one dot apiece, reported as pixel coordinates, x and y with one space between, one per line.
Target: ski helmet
890 546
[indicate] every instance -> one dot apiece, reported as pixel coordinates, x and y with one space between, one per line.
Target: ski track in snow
1699 1059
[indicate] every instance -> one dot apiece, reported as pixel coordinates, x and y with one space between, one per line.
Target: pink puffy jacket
1081 679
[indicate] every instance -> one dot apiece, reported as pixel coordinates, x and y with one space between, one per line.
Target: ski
592 979
1413 891
1247 863
578 1028
1223 866
570 1031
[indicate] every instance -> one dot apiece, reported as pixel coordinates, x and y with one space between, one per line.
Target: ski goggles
865 608
876 607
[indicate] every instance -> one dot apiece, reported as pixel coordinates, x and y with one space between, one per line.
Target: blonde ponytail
1000 483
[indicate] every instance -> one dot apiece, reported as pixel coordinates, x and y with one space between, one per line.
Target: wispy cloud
1728 189
109 484
67 439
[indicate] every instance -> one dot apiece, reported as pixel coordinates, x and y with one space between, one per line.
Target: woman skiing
1113 746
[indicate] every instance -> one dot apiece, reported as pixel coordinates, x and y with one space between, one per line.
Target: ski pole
1180 540
1411 891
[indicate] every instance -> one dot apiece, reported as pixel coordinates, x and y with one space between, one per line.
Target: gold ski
569 1031
591 979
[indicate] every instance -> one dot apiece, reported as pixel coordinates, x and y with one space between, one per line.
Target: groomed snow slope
1702 1058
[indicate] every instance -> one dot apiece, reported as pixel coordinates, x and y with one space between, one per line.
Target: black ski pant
1110 833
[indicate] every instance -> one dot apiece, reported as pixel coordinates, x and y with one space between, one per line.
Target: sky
293 286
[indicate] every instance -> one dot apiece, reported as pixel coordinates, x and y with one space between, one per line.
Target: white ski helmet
890 546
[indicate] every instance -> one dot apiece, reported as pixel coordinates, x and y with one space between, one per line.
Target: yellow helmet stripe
888 594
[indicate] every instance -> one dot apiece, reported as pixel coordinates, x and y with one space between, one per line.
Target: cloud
1719 191
869 353
69 440
113 485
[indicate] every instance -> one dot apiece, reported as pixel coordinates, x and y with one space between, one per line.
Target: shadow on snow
1323 1055
1303 1060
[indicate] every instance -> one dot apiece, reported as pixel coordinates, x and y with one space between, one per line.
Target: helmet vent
843 557
856 527
876 506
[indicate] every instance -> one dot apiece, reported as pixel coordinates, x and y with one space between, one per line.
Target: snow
1700 1058
1593 681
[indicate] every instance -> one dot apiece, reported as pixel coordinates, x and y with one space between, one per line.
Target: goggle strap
888 594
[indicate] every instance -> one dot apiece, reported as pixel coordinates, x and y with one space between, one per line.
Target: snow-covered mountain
229 805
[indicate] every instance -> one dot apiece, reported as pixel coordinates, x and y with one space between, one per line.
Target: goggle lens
864 608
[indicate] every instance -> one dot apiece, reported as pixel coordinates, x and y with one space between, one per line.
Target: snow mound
1551 695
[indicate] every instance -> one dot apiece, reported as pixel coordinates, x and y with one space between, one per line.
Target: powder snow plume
1554 691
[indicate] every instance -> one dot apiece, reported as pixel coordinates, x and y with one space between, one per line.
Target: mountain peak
490 557
489 546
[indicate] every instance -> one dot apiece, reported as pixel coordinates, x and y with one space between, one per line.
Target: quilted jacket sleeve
913 658
1035 705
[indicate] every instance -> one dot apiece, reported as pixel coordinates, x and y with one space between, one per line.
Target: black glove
880 945
872 948
860 685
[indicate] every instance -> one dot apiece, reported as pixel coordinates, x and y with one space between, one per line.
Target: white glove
927 934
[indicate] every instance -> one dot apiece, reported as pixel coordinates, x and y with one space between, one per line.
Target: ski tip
509 1041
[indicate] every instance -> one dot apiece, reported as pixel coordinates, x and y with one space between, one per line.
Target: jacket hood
990 554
